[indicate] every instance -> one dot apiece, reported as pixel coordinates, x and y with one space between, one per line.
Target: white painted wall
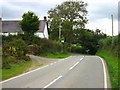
39 34
46 32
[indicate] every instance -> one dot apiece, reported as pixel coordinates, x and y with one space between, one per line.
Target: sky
99 11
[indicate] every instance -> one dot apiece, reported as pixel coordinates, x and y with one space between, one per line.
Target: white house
13 28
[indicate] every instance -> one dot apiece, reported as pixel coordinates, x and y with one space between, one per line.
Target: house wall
39 34
12 28
46 32
7 34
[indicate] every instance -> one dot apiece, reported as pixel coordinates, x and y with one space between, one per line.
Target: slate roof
13 26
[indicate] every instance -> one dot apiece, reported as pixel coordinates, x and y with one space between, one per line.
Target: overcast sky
99 11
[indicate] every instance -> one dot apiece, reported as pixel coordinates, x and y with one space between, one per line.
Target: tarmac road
75 71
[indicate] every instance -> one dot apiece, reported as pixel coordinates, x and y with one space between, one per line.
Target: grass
16 69
112 64
57 55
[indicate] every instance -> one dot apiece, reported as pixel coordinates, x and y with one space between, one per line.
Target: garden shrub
10 59
5 63
24 58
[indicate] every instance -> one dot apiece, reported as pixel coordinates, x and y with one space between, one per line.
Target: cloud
99 15
102 9
99 11
105 25
14 10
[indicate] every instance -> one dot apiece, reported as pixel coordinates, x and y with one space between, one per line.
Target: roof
42 26
13 26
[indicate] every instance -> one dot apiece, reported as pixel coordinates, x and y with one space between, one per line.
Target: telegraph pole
112 29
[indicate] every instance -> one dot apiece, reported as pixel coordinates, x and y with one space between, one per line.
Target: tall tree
71 14
29 23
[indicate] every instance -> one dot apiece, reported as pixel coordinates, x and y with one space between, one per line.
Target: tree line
66 31
69 19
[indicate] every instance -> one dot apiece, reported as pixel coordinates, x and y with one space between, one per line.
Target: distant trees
88 40
70 18
69 15
112 44
29 23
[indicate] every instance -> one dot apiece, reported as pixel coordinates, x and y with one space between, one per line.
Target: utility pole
112 29
60 32
60 26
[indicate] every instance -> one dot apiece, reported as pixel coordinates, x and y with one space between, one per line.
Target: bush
25 58
32 49
113 47
10 59
77 49
47 46
15 47
5 63
20 47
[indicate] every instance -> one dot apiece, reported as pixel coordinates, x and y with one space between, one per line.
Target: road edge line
105 73
30 71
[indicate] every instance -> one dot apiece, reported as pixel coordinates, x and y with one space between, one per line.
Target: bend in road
74 72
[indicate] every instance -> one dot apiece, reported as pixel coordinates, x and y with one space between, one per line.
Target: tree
29 23
73 14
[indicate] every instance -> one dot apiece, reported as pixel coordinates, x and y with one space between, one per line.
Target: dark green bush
5 63
25 58
10 59
48 46
112 44
32 49
77 49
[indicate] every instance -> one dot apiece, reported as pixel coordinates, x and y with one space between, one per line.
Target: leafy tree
29 23
54 32
73 14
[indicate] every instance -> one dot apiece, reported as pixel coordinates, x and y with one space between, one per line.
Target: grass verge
112 64
57 55
16 69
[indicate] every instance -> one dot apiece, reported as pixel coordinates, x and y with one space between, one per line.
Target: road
73 72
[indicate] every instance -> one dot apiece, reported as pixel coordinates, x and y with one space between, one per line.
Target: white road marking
66 58
23 74
52 82
54 62
30 72
81 58
73 66
105 74
51 64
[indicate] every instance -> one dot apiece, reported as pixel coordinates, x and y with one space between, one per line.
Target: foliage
110 51
24 58
57 55
88 40
32 49
73 14
70 19
111 44
14 47
48 46
16 69
29 23
112 63
5 63
76 48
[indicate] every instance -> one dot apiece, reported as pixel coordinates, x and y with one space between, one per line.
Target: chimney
45 18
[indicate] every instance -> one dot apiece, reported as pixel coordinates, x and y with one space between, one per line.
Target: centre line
73 66
52 82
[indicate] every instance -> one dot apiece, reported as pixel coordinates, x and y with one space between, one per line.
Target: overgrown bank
109 49
112 64
15 49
